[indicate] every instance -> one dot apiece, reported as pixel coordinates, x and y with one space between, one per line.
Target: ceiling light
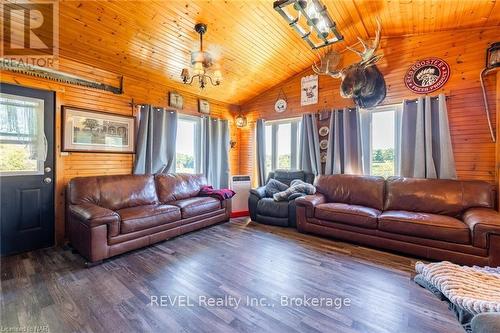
201 63
311 20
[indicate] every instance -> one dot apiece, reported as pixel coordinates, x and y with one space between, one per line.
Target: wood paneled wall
464 51
90 164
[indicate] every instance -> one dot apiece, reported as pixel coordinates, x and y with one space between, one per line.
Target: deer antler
368 51
326 67
317 69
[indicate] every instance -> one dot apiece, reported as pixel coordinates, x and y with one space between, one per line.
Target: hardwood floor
50 288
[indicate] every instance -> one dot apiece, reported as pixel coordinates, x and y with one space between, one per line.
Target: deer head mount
361 81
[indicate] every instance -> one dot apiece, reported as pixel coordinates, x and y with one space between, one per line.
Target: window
22 140
282 142
383 141
186 160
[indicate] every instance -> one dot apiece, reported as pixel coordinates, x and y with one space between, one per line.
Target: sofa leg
89 264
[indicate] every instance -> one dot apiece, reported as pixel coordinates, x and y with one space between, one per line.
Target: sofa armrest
486 322
93 215
482 222
310 202
259 192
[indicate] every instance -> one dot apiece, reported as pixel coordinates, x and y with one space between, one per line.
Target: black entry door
26 168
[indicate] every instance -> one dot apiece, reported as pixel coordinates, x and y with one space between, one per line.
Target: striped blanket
474 289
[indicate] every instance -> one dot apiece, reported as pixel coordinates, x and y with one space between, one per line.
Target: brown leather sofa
109 215
435 219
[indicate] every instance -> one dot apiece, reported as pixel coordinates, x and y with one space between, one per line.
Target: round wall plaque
427 75
323 144
323 131
280 105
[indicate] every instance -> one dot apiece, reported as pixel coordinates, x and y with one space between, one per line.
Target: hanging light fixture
201 63
493 56
311 20
241 121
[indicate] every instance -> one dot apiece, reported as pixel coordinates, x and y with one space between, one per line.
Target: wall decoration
280 105
427 75
55 75
92 131
361 81
175 100
323 131
281 102
309 90
203 106
323 144
323 156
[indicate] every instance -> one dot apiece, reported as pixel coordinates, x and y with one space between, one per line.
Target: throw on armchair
265 210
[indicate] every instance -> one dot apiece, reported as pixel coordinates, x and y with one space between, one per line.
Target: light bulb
218 75
198 68
323 28
311 10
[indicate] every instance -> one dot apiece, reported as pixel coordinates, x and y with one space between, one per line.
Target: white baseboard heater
241 184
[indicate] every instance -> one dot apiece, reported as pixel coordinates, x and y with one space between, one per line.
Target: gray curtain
261 152
345 145
309 156
425 143
215 151
156 136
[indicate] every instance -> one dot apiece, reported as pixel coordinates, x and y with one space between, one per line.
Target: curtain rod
415 100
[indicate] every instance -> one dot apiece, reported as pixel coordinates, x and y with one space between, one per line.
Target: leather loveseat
109 215
265 210
435 219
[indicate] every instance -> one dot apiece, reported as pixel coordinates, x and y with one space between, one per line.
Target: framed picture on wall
203 106
309 90
96 132
175 100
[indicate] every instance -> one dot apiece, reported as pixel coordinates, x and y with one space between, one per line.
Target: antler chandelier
201 63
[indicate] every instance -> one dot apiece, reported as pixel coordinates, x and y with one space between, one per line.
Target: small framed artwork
309 90
175 100
203 106
97 132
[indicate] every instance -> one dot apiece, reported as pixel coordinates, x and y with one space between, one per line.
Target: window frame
396 109
196 141
295 128
38 107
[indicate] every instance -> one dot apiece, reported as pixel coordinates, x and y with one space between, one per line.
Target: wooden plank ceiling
257 50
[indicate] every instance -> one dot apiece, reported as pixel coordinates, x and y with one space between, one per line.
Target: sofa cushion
351 189
425 225
350 214
437 196
286 176
178 186
82 190
269 207
148 216
117 192
196 206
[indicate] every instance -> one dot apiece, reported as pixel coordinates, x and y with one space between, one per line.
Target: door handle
47 180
